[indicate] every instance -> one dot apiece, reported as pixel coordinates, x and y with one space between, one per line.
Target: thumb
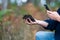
49 12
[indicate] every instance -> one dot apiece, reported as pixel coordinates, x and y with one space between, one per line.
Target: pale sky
0 1
12 1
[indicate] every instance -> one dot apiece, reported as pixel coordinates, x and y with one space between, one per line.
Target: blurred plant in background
12 26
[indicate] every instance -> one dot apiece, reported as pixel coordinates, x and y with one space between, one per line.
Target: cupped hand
30 23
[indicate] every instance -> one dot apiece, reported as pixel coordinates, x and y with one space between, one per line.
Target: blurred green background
12 26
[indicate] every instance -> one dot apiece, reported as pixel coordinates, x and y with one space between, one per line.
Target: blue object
45 35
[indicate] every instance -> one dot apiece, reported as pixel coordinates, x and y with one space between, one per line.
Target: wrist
38 22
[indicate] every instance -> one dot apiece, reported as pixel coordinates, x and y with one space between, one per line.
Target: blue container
45 35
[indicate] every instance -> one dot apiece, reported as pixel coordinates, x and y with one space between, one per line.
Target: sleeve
51 24
58 11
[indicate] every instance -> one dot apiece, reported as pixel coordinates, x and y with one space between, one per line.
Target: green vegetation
15 23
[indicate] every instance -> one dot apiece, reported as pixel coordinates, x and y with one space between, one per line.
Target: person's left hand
53 15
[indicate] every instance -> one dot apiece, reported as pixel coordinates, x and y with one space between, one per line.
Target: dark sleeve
58 11
51 24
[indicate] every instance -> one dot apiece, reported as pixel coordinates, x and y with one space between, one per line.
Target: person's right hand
53 15
30 23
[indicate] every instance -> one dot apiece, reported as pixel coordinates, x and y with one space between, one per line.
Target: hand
30 23
37 22
53 15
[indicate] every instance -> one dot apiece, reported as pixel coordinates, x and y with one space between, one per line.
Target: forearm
42 23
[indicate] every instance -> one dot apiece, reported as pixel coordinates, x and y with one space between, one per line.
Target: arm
47 24
37 22
42 23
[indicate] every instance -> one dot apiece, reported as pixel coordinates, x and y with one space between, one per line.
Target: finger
29 23
49 12
26 21
35 19
30 20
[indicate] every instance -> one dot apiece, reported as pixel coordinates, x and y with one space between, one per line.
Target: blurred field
16 29
12 26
